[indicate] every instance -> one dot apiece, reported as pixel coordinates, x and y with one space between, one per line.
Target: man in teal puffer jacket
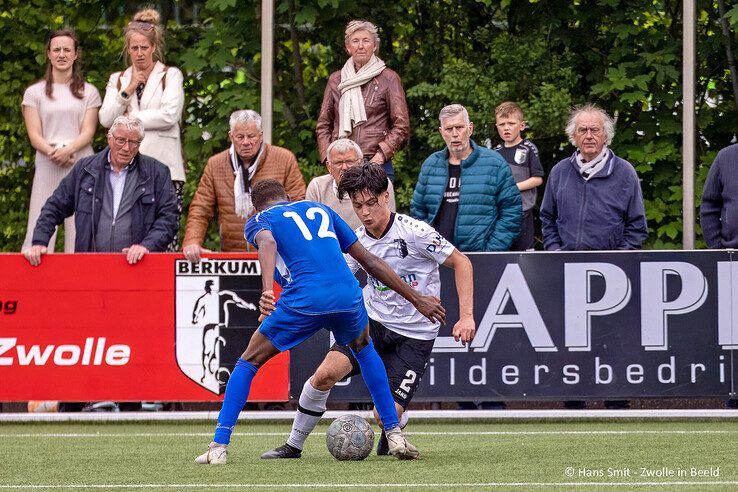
467 192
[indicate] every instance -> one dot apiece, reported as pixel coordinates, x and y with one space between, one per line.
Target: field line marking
501 415
567 433
419 433
371 485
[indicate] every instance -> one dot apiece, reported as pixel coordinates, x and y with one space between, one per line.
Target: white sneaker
399 447
217 454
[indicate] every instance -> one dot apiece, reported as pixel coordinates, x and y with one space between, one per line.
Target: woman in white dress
60 112
152 92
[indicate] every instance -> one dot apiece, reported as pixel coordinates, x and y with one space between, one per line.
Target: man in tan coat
227 181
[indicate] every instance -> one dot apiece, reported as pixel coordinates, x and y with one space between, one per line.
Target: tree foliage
624 55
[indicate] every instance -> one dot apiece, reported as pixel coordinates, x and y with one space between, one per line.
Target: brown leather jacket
216 190
387 126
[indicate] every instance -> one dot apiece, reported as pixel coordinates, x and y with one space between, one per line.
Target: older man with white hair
593 199
121 200
227 181
341 155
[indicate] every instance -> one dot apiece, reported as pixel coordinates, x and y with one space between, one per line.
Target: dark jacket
604 213
490 210
719 209
154 213
387 126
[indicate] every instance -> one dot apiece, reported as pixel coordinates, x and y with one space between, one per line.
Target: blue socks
239 384
375 377
237 391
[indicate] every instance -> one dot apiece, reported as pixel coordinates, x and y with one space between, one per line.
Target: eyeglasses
239 137
145 26
348 162
123 141
594 131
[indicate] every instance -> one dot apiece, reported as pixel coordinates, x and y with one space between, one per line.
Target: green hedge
623 55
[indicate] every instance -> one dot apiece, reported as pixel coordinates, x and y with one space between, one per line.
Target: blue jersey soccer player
303 243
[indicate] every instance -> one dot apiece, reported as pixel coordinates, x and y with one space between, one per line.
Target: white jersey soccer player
403 339
414 250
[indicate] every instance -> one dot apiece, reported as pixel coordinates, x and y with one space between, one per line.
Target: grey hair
359 25
452 110
130 122
343 145
608 123
245 116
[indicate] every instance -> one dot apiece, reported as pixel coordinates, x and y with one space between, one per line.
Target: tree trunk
729 51
288 114
297 57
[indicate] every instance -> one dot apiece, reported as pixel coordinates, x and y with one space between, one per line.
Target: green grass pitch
455 455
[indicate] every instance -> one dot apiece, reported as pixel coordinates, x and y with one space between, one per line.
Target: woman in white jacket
152 92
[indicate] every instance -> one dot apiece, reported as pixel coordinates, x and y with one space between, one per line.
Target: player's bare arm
428 306
464 329
267 261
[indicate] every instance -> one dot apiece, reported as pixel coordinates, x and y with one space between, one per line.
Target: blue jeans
390 170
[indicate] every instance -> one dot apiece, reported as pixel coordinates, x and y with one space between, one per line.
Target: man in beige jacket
226 185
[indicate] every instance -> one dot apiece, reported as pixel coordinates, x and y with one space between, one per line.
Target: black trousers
527 238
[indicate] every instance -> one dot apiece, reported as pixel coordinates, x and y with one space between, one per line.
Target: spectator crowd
128 197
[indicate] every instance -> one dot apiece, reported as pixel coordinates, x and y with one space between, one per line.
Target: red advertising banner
88 327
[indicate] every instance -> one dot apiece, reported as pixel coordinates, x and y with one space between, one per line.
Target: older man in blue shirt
593 199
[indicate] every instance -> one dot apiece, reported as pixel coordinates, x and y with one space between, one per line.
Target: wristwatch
124 94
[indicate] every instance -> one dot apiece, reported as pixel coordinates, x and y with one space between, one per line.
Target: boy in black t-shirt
522 157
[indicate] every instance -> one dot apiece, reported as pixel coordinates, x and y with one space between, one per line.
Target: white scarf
590 168
242 197
351 110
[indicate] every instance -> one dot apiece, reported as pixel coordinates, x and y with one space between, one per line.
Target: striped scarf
242 194
590 168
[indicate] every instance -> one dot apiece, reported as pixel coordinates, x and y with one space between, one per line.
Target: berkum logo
215 314
93 352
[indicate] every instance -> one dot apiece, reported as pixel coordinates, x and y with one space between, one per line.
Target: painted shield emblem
216 314
521 153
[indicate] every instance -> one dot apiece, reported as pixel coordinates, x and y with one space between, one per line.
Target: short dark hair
370 177
267 191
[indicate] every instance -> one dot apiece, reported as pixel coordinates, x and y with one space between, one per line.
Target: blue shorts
287 328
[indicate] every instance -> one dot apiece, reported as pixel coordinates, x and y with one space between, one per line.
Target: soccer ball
350 437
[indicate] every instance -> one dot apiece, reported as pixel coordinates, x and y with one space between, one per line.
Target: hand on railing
33 254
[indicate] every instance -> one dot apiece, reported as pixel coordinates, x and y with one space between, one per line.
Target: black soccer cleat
285 451
383 445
